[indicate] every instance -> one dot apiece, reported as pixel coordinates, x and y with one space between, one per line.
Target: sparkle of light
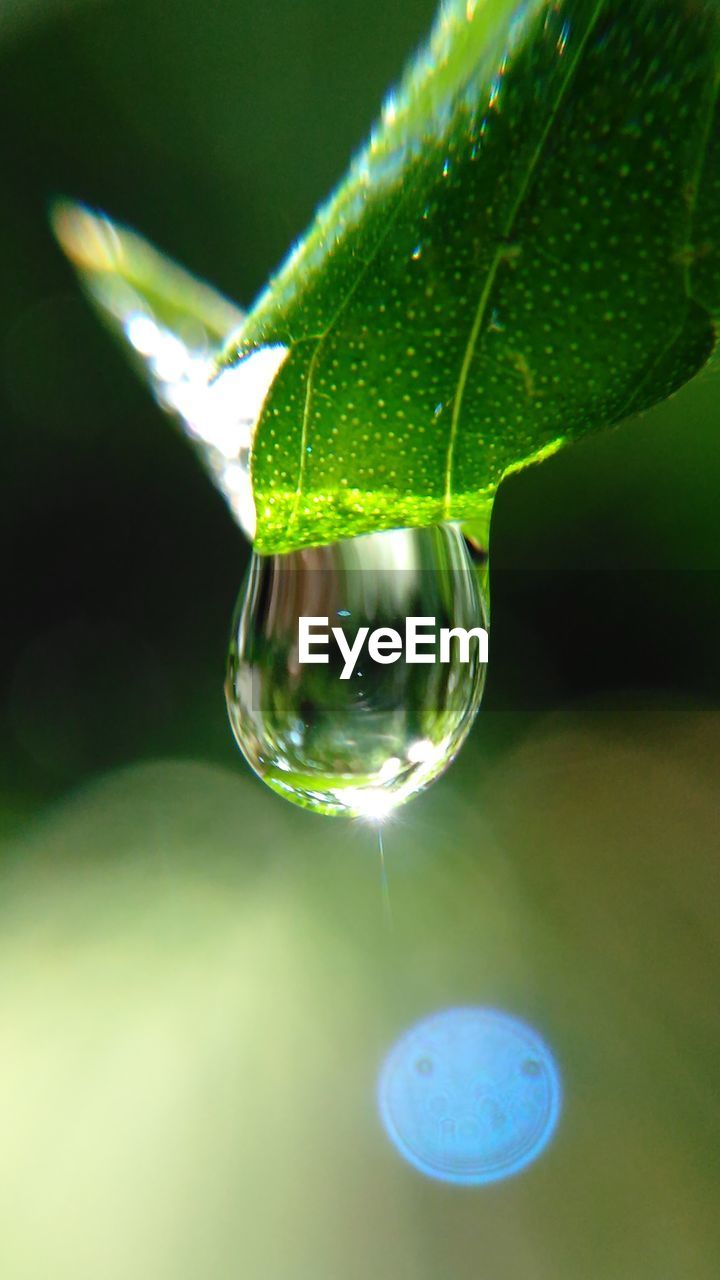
373 803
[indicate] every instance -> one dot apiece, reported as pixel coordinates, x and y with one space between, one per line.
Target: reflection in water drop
470 1096
358 744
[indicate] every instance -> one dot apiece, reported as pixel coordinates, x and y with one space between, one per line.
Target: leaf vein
321 338
500 254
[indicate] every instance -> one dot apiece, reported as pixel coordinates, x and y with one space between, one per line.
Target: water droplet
470 1095
348 745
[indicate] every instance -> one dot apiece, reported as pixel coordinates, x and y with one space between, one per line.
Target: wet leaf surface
525 252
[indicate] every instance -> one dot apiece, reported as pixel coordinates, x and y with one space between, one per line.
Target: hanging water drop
355 740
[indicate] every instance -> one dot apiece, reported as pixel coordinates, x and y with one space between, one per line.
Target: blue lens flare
470 1096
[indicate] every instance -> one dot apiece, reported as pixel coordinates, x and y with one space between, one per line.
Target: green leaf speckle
525 252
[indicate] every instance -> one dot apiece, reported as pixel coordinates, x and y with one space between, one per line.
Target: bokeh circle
470 1095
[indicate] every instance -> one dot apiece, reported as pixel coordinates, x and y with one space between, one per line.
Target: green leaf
526 251
125 277
172 325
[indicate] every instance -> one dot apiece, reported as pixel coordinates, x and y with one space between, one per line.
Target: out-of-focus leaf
125 275
173 325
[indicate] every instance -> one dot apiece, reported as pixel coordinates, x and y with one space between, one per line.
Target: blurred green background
197 984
